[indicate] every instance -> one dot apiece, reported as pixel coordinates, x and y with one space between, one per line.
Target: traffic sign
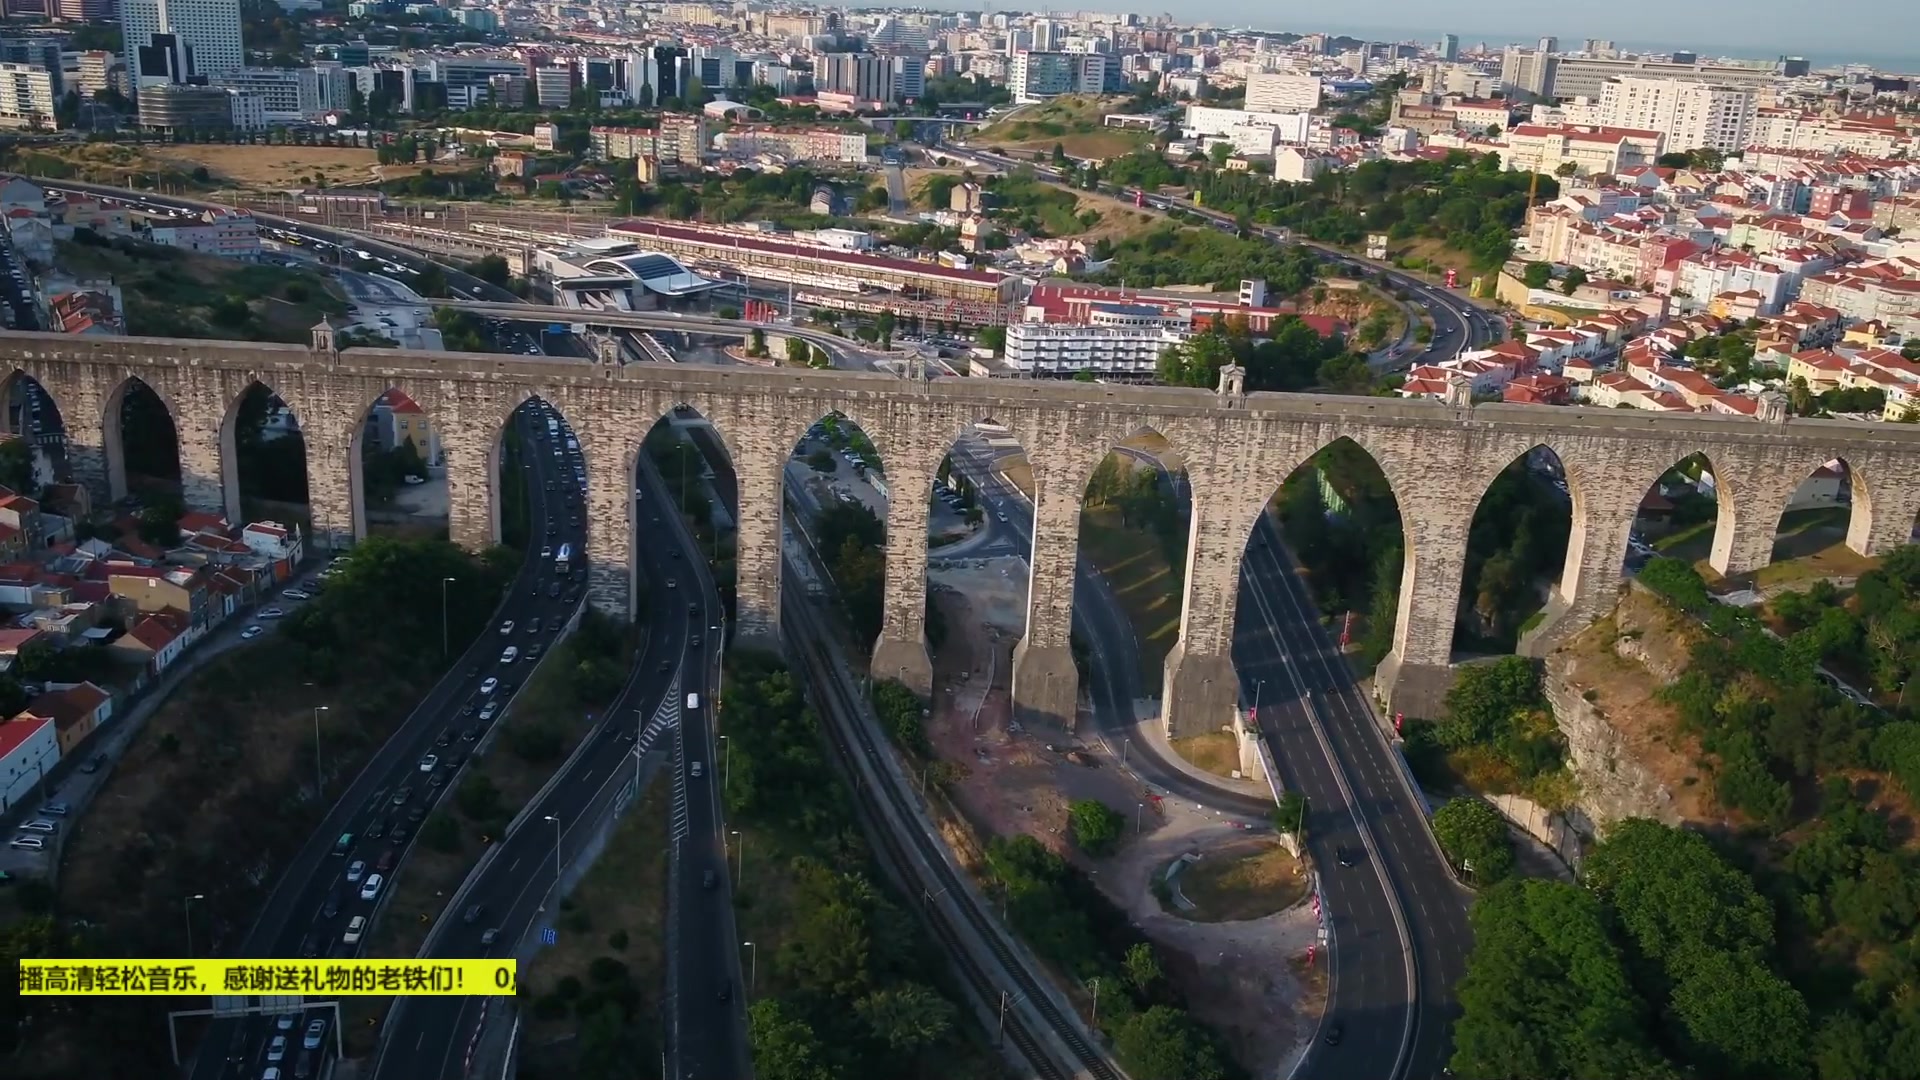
549 936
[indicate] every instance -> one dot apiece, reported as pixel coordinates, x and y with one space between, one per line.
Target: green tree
1097 827
907 1016
1475 838
1538 275
1163 1043
1290 814
784 1044
1573 279
1547 992
1142 967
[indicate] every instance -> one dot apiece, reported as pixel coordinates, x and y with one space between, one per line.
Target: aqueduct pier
1237 448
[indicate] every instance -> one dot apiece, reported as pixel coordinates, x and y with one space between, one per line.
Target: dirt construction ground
1247 978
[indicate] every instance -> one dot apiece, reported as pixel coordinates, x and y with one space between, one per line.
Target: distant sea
1904 61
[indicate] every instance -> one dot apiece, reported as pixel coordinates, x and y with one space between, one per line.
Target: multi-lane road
507 902
310 909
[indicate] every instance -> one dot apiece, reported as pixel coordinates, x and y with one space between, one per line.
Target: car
709 879
467 709
509 654
356 870
1334 1033
378 829
547 552
666 665
94 764
252 632
673 583
1345 856
297 594
697 770
693 609
437 780
1002 517
506 628
400 797
534 650
285 1021
474 673
553 591
428 763
371 887
488 686
414 815
696 641
316 1030
56 809
533 625
456 761
386 860
726 991
469 735
445 738
271 613
473 914
310 946
26 843
39 825
491 935
277 1049
487 713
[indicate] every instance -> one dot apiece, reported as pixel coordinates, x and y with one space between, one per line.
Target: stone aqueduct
1438 458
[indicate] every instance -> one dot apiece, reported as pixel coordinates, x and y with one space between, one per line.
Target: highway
383 807
428 1038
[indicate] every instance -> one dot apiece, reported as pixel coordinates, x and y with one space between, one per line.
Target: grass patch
1218 752
615 916
170 292
1833 561
1074 121
1135 565
1243 882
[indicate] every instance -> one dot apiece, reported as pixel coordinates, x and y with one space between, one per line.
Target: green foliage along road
1475 838
847 986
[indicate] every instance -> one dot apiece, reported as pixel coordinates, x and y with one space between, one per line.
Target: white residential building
29 749
287 95
1202 120
1117 341
1689 114
26 97
1036 76
1280 93
209 28
1591 150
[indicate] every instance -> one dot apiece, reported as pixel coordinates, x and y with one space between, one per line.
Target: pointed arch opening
534 500
37 454
1817 518
263 454
1678 517
685 468
1516 553
1333 533
1135 517
143 447
979 561
836 494
399 470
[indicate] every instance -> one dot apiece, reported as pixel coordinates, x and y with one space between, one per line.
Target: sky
1830 32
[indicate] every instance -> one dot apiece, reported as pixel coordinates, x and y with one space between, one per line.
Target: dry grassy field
280 166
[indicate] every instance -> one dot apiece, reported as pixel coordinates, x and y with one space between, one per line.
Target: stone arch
695 439
1537 489
1817 510
500 527
230 478
112 418
30 410
1354 581
360 421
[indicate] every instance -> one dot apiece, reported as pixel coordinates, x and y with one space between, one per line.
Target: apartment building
1885 290
798 144
1477 115
230 234
1283 93
862 76
207 31
1592 151
1689 114
1582 76
1203 120
26 97
1119 340
1036 76
286 95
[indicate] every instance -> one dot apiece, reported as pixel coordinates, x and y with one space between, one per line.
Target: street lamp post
319 788
753 966
444 648
740 869
188 905
1139 813
556 849
726 765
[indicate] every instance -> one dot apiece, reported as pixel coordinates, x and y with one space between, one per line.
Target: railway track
851 738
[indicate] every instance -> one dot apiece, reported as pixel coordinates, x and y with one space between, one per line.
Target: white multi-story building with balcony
1119 341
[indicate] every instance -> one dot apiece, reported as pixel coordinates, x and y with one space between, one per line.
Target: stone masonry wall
1439 459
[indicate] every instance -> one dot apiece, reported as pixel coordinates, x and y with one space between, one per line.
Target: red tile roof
14 733
153 633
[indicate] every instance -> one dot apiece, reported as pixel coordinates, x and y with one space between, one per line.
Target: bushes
1475 838
901 715
1499 705
1097 827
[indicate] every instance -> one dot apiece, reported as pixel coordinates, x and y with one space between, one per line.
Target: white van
693 701
354 929
511 654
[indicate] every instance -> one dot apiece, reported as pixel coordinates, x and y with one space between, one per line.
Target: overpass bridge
1438 457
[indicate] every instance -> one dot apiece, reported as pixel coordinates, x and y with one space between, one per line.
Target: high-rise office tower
207 30
1449 47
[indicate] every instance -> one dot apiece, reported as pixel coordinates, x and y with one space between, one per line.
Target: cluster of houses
139 605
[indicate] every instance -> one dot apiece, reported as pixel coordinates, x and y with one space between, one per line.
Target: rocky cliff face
1622 741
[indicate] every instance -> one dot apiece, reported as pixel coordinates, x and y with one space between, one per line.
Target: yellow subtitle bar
317 978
